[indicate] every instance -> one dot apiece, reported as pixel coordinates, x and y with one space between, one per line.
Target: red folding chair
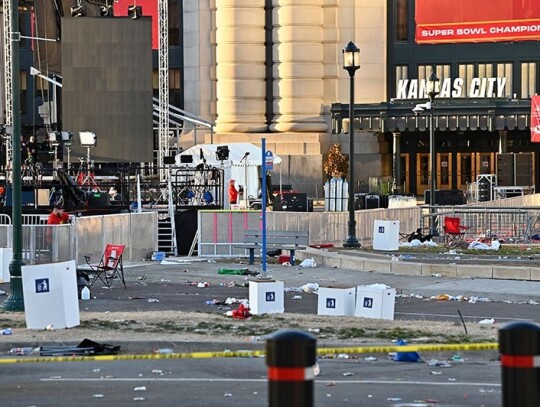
454 231
109 267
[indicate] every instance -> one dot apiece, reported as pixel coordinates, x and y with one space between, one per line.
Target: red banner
535 119
454 21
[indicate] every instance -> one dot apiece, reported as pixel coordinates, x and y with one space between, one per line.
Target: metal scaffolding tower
163 67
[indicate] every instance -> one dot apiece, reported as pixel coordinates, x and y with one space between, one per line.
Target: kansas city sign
453 88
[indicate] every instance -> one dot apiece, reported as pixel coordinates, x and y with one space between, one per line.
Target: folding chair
454 231
109 267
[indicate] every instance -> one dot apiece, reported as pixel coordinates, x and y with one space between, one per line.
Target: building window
174 23
466 72
402 20
505 71
528 79
402 72
175 84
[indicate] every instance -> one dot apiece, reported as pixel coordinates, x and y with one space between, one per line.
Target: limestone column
298 66
240 66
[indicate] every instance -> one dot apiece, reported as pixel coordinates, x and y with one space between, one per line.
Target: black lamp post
432 91
351 63
15 301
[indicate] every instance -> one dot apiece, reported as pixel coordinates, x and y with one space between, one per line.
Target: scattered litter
477 245
153 300
393 399
308 263
342 356
7 331
242 312
348 374
227 395
140 388
370 359
49 327
157 371
135 298
396 258
164 351
138 398
2 292
286 264
438 363
297 297
406 356
202 285
316 369
436 275
488 321
98 396
307 288
532 302
239 272
457 358
315 330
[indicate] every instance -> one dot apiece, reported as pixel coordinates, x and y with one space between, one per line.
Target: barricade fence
85 236
514 219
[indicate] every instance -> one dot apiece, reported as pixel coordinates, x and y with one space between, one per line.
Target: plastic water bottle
85 293
21 351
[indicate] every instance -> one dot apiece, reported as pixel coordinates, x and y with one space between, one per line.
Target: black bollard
519 347
290 357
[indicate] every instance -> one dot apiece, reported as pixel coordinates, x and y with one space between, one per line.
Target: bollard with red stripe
290 357
519 347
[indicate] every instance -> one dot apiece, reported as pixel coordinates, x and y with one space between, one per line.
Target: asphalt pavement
195 284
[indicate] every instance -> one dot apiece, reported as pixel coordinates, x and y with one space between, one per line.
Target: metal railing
512 225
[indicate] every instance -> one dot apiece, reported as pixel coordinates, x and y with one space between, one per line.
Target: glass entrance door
466 169
405 173
485 163
444 171
422 173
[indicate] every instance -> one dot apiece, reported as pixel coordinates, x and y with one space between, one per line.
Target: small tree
336 164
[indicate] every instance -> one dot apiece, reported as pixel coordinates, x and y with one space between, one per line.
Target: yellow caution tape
253 354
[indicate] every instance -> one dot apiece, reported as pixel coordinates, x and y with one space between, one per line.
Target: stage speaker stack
524 164
292 202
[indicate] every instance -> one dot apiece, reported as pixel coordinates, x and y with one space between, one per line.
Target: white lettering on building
477 88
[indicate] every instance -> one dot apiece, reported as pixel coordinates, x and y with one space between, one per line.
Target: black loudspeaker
170 159
185 222
505 170
449 197
372 201
98 199
484 190
222 153
524 169
292 202
186 159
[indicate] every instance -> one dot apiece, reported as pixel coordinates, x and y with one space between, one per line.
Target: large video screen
457 21
107 86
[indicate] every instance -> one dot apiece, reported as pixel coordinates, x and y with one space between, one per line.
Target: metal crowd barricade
512 225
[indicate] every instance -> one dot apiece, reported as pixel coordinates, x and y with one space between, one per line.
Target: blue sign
269 160
331 303
381 229
42 285
270 296
368 302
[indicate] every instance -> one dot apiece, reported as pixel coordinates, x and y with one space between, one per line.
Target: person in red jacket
233 193
58 216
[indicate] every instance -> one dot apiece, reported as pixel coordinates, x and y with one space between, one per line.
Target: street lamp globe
351 58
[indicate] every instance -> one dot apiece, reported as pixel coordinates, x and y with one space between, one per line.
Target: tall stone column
240 70
298 66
